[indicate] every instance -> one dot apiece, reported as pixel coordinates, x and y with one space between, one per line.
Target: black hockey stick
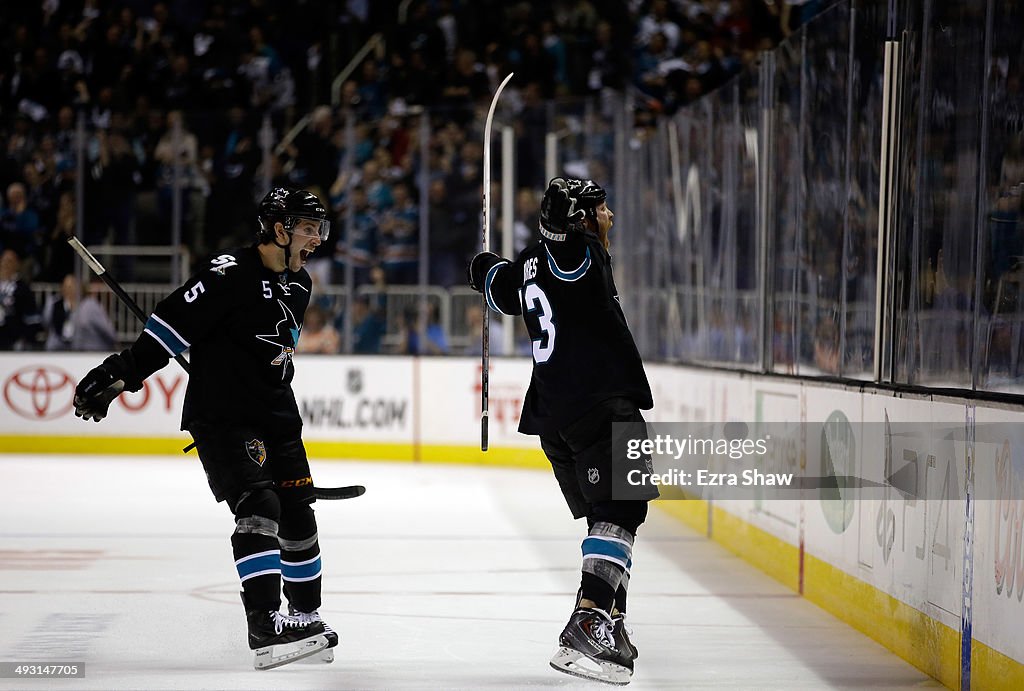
485 334
115 287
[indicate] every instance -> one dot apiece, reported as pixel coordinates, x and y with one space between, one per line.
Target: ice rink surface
440 577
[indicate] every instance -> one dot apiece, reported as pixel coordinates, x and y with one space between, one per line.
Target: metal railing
375 41
402 308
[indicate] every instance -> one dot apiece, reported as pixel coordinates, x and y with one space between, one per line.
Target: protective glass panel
1001 350
937 249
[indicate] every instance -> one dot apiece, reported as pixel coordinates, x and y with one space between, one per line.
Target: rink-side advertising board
352 407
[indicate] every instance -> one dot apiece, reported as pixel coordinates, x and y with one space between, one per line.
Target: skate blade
326 656
284 653
579 665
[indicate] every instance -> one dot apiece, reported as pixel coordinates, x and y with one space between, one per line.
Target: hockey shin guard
258 561
607 556
300 559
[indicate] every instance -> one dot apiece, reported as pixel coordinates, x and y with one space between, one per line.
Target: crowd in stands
175 94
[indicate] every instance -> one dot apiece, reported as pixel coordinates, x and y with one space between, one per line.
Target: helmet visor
308 226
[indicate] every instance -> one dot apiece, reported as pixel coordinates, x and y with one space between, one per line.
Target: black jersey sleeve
184 317
501 288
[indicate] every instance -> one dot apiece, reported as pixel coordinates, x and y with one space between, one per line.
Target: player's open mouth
304 255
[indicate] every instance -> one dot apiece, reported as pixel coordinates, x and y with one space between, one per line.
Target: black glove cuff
478 268
122 366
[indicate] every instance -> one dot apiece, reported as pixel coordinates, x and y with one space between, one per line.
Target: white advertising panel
364 399
38 390
450 394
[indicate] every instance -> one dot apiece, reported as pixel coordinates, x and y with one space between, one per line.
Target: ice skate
622 640
588 649
278 639
327 654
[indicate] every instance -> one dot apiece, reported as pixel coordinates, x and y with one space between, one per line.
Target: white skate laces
308 617
283 621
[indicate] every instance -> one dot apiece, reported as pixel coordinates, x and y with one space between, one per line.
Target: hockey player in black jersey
239 317
587 375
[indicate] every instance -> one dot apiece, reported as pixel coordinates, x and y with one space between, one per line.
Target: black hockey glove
478 268
103 384
558 212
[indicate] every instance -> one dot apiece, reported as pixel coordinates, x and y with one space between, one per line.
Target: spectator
57 315
378 188
655 22
435 338
533 64
606 69
178 154
318 336
367 327
358 245
555 47
19 224
58 259
315 156
399 238
474 332
410 338
117 168
465 84
447 246
19 316
76 323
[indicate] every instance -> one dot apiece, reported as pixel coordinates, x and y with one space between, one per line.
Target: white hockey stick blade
579 665
283 653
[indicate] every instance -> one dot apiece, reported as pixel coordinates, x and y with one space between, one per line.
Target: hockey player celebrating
587 374
240 317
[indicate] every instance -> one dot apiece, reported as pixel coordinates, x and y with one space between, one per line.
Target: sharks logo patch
257 451
286 336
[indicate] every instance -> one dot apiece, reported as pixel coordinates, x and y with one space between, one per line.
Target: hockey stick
133 307
485 336
115 288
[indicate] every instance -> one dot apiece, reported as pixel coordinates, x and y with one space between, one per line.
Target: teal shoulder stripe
573 275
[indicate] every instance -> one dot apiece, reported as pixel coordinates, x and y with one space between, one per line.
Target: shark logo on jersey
224 261
286 341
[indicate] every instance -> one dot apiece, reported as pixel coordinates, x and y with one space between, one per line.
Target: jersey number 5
535 301
192 293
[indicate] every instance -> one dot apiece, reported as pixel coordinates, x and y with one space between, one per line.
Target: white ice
440 577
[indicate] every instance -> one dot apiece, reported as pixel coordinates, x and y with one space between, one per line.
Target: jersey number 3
535 301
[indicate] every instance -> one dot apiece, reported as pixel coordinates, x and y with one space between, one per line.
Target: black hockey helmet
288 206
587 195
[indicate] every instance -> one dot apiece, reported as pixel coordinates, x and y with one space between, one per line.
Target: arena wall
940 583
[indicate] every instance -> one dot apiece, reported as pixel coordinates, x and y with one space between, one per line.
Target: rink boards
912 574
